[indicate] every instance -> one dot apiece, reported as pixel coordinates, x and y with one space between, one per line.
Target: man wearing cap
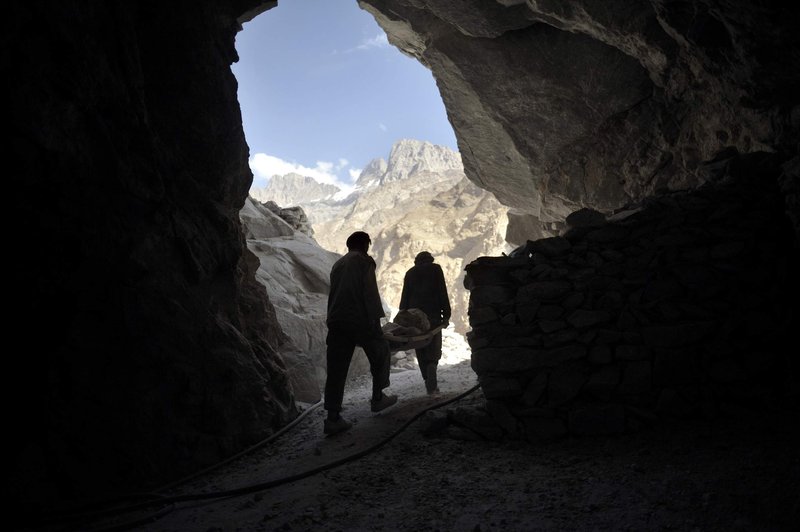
354 314
424 288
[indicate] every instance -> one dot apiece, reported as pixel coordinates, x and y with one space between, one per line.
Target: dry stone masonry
679 306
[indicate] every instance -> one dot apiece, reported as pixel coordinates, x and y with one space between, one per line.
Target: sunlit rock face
150 350
417 200
559 105
283 190
295 270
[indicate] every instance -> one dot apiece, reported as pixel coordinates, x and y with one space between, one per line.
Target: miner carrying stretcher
354 314
424 288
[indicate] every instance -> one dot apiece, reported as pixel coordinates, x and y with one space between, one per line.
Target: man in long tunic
354 314
424 288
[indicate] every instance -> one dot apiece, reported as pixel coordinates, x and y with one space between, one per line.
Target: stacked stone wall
680 306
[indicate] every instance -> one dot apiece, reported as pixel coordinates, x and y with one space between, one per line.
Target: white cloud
378 41
324 167
382 126
265 166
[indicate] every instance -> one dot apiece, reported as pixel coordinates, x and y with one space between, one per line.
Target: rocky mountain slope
293 188
417 199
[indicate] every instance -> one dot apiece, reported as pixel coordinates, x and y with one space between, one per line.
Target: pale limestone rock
419 200
284 190
295 271
558 105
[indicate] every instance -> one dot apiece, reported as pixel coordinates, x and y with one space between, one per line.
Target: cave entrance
342 124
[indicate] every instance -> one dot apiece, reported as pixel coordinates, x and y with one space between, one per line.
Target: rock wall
144 348
558 105
295 270
683 305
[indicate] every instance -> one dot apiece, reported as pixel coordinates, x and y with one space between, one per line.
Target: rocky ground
731 474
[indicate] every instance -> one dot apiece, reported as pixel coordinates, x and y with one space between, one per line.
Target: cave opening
347 133
149 351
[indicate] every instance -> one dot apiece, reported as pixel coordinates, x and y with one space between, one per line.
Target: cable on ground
163 500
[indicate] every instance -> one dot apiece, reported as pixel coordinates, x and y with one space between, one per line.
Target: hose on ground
112 506
162 500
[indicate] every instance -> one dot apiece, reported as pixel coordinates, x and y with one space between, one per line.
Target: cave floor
725 475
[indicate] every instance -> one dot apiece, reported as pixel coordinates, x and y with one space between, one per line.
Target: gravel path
720 476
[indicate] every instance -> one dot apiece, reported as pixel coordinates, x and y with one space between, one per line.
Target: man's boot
385 401
336 425
431 385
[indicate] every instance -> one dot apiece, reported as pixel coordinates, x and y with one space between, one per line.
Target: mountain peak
372 173
407 158
293 189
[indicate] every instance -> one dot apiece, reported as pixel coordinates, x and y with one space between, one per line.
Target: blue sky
322 92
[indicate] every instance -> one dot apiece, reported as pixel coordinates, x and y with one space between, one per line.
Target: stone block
527 311
607 235
637 377
671 402
585 217
488 295
676 367
564 384
551 247
535 389
676 335
500 387
573 300
482 315
610 301
726 371
603 382
597 420
548 326
516 359
477 342
587 318
543 291
509 319
559 338
550 312
631 352
608 336
600 354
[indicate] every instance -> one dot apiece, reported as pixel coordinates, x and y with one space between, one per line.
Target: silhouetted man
354 318
424 288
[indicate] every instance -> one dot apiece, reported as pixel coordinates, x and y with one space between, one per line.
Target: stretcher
404 343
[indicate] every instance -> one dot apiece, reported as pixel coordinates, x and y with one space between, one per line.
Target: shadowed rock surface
682 306
151 348
559 105
145 348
